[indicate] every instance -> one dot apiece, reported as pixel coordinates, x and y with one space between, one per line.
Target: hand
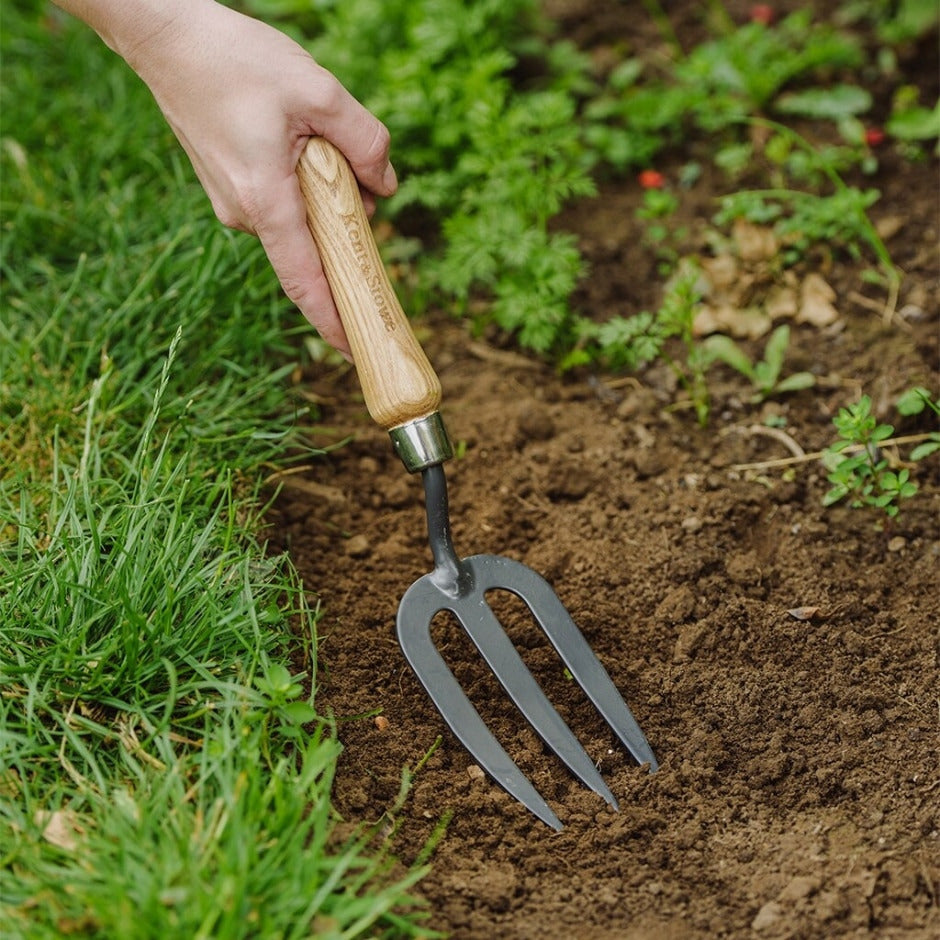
243 98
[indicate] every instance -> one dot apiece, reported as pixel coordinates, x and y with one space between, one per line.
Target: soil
781 656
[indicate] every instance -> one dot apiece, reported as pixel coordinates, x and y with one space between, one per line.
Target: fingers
362 137
293 255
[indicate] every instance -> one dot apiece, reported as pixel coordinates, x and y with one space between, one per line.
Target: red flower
762 13
874 136
652 179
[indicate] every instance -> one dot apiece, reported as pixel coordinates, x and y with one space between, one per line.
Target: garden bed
781 656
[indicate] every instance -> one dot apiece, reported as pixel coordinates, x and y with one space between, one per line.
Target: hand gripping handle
400 387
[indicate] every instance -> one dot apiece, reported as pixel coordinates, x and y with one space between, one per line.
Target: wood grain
398 382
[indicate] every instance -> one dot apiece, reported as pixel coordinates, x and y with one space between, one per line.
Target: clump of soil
781 657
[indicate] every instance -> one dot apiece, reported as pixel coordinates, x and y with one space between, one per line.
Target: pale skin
243 99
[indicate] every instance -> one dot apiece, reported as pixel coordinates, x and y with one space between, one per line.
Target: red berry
762 13
652 179
874 136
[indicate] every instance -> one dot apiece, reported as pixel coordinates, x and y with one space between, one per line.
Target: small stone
691 524
380 722
648 463
475 773
802 886
677 605
767 916
897 544
537 425
357 546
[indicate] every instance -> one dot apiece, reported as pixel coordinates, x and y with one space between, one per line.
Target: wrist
132 28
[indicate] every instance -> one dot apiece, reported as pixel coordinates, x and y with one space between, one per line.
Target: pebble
767 916
802 886
380 722
648 463
537 425
357 546
897 544
475 773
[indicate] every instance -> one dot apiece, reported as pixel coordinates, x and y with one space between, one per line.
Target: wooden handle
398 382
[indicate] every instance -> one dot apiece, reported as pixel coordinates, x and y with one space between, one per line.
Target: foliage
913 402
492 160
859 471
803 220
629 342
764 374
497 124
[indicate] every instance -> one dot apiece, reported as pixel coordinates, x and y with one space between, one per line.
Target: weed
913 402
764 374
629 342
859 471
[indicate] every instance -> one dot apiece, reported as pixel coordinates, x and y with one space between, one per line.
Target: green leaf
299 713
775 351
915 124
723 348
796 382
925 449
913 401
833 104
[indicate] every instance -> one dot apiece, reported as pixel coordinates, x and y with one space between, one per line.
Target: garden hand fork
403 395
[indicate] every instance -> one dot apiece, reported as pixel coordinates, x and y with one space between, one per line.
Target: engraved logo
372 276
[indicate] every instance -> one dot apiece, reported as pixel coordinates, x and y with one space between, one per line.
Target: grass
157 776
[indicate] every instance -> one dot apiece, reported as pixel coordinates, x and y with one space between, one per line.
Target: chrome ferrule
422 443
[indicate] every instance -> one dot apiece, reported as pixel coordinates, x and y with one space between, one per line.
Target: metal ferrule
422 443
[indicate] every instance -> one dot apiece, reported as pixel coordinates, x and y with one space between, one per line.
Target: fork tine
494 572
418 607
502 657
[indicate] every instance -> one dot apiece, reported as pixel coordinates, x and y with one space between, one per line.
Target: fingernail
389 179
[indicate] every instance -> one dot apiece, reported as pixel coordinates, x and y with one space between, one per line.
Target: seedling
859 472
764 374
913 402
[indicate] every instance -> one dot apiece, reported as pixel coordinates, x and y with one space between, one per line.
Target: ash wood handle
398 382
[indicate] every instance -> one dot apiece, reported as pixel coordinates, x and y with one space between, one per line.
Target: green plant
487 157
859 472
764 374
630 342
913 402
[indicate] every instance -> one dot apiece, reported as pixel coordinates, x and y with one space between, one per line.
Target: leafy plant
629 342
764 374
913 402
859 472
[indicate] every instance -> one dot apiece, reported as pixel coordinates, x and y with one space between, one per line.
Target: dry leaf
744 323
60 828
782 302
889 226
721 271
816 297
754 242
803 613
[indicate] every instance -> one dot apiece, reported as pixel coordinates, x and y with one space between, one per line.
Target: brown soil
799 793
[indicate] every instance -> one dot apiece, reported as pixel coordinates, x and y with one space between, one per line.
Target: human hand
243 98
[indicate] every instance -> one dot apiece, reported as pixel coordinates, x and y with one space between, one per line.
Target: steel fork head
460 586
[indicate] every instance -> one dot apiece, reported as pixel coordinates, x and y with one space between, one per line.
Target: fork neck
450 574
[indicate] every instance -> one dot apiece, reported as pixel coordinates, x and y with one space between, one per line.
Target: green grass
159 776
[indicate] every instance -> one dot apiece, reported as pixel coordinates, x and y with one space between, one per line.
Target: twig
776 433
817 455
